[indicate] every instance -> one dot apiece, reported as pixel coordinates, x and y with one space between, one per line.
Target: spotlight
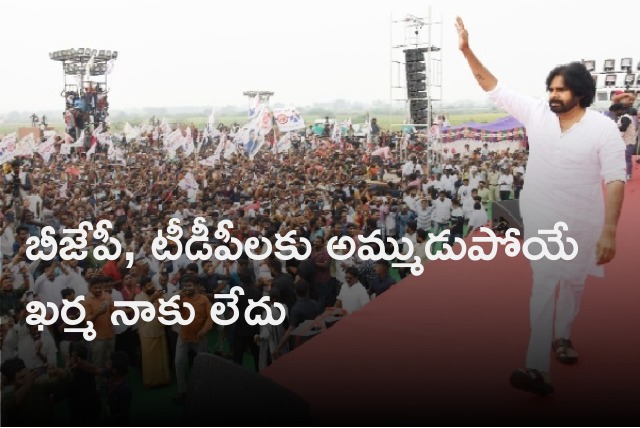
610 80
81 51
101 54
94 52
625 64
73 52
629 79
114 55
590 65
609 64
50 55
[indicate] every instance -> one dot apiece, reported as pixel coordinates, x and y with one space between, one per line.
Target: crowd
319 189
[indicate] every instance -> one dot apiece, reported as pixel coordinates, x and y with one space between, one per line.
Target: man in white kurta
572 150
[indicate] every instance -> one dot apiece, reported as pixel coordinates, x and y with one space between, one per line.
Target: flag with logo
288 119
7 148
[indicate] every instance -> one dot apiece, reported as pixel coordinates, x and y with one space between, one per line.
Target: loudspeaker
218 387
510 211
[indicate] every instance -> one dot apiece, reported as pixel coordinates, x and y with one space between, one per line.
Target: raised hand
463 35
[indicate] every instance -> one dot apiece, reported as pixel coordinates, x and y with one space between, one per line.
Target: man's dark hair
302 288
353 271
245 277
275 265
144 280
578 79
11 367
99 280
189 279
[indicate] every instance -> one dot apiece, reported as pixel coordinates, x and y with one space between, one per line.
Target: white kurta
564 178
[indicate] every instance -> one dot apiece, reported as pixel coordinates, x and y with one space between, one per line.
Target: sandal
564 351
531 380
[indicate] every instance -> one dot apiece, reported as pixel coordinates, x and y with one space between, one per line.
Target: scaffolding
413 32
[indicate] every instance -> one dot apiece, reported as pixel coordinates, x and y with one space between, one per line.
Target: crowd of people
319 189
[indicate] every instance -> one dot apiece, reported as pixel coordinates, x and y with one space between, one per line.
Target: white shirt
27 350
441 210
49 291
506 182
565 171
353 297
76 281
478 218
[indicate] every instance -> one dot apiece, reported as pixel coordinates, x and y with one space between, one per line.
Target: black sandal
565 353
531 380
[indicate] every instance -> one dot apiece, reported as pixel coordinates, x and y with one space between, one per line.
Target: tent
500 134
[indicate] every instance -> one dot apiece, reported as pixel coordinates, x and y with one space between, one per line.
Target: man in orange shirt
98 307
192 336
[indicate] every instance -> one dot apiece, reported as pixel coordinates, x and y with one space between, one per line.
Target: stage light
114 55
626 64
50 55
81 51
94 52
609 64
101 54
629 79
590 65
73 52
610 80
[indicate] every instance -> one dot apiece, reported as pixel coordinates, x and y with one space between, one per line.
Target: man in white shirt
353 296
505 183
49 286
441 212
464 191
572 149
448 182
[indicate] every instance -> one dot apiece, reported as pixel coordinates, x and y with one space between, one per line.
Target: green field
384 120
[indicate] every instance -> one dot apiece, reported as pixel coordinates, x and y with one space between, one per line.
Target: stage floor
439 349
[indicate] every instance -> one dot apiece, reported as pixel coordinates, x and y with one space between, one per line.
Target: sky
206 53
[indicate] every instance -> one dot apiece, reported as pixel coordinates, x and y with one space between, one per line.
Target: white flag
110 64
189 184
98 130
89 66
46 149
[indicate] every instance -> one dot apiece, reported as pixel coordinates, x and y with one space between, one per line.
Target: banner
251 136
26 146
283 145
288 119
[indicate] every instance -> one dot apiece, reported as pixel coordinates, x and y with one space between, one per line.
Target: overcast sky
206 53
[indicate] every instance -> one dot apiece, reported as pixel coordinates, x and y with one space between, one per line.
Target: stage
439 349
